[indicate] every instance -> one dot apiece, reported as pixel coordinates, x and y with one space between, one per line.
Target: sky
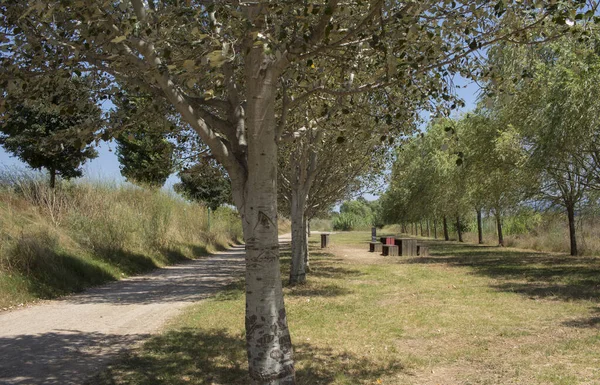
106 165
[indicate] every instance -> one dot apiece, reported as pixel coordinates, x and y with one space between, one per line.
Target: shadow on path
60 357
65 341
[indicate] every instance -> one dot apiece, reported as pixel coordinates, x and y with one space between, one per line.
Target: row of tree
243 75
56 132
533 140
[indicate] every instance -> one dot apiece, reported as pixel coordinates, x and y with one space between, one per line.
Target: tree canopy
53 131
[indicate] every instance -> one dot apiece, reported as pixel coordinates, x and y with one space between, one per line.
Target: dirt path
65 341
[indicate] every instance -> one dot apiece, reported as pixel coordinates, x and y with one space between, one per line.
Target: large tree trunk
435 228
428 230
479 227
299 233
446 236
572 234
458 229
268 342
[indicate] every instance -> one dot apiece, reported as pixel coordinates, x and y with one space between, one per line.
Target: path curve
68 340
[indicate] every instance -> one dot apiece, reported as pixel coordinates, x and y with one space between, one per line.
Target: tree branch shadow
190 356
533 274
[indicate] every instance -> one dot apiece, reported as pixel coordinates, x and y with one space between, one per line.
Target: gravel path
65 341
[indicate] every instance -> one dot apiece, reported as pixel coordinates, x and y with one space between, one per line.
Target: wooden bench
375 246
389 250
423 250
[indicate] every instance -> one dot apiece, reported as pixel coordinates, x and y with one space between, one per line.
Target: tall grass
547 231
54 242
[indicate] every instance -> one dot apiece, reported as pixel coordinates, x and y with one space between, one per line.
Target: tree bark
572 234
52 172
458 229
268 342
421 227
299 233
446 236
499 226
435 228
479 227
428 230
306 250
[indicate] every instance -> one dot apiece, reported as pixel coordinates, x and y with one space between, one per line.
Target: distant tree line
532 141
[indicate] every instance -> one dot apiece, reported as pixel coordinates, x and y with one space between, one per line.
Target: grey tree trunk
479 227
52 172
299 240
435 228
446 236
306 250
428 230
572 233
499 227
268 342
458 229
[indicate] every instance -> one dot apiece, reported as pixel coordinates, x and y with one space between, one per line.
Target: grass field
465 315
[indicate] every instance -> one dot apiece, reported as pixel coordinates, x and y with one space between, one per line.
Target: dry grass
56 242
466 315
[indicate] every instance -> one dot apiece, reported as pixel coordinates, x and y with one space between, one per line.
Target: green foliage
355 215
45 137
146 157
144 151
205 182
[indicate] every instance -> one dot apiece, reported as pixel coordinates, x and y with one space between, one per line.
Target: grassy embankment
84 234
466 315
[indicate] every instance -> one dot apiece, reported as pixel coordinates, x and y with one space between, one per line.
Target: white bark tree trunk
306 250
299 240
269 346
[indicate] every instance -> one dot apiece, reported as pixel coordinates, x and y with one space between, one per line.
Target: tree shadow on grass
539 275
309 290
586 322
190 356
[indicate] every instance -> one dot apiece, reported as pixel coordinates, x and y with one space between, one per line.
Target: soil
66 341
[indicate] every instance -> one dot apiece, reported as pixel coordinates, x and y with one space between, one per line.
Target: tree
45 136
495 161
142 129
227 67
323 164
554 107
146 157
205 182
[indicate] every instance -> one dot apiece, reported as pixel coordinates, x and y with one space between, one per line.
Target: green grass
54 243
465 315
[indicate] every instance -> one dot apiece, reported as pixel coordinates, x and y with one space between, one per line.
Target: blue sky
106 165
